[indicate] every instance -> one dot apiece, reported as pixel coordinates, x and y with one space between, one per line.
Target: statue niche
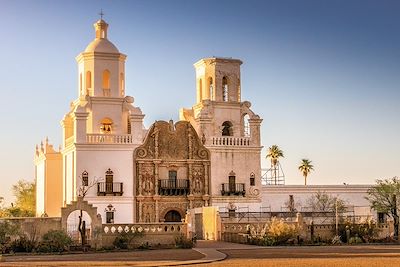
198 178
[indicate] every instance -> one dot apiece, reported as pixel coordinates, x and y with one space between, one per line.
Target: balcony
110 189
230 141
232 189
170 187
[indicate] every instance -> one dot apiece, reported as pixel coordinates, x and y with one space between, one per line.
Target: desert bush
366 230
8 231
181 241
273 233
54 241
144 246
355 240
23 244
121 242
124 240
336 240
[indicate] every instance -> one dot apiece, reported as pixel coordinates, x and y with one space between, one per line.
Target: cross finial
101 14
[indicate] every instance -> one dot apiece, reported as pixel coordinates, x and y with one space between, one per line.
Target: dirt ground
314 262
341 256
129 258
237 255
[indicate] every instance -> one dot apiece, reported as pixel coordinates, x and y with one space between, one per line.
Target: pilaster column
206 177
157 212
140 210
140 178
156 176
190 166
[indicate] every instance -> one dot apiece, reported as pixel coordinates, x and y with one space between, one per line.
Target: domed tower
101 131
101 66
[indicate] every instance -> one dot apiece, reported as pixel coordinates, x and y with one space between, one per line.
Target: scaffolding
273 175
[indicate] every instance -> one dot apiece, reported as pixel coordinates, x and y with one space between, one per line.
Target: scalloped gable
166 140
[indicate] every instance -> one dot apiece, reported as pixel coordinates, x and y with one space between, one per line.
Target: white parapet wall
276 197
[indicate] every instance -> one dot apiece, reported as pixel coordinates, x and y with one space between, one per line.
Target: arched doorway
172 216
73 225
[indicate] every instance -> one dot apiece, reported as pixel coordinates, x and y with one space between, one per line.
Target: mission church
211 157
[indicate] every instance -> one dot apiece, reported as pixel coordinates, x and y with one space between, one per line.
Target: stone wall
36 226
237 232
151 233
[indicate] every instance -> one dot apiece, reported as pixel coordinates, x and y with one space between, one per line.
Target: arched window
85 178
106 126
122 84
172 216
201 89
225 93
252 179
106 79
109 210
246 125
88 82
227 129
211 88
80 84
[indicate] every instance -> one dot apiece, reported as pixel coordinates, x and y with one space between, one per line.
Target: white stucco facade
103 129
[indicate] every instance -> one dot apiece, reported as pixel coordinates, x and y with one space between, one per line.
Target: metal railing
173 187
115 189
233 189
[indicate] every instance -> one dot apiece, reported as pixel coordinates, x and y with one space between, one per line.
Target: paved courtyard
208 253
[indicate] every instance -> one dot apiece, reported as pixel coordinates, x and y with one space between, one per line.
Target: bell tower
101 66
230 130
218 79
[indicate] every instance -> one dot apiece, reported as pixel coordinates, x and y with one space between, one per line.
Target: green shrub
273 233
144 246
55 241
124 240
7 230
355 240
23 244
366 230
181 241
121 241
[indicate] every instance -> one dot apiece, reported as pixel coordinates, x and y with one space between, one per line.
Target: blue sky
324 75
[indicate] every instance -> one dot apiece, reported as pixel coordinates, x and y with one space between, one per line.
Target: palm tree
274 153
306 167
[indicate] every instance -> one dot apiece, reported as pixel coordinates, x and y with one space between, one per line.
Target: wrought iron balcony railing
110 189
233 189
172 187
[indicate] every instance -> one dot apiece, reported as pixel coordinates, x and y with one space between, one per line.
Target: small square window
381 217
252 179
109 217
85 178
231 213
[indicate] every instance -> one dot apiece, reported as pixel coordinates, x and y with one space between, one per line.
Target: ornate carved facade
172 171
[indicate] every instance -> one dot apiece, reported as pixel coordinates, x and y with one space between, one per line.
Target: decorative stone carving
148 212
253 191
198 204
171 147
169 143
147 180
198 179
